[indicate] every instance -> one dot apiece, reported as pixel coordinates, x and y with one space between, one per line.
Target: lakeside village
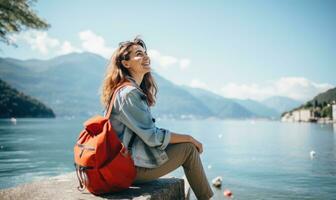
320 113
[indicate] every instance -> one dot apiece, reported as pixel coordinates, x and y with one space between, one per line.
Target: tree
17 15
308 105
327 112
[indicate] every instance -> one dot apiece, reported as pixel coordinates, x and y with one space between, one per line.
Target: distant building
296 115
287 118
302 115
307 115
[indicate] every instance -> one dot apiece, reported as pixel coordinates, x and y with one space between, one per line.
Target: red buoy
228 193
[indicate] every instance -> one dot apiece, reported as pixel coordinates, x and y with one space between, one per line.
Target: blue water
257 159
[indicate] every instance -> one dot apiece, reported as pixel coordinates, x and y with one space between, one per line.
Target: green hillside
325 97
320 104
16 104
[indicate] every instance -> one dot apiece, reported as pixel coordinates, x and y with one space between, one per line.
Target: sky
239 49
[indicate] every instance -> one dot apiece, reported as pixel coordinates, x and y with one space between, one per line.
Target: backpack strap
129 146
110 106
112 98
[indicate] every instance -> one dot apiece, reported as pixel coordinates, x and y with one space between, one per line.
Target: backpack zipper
84 147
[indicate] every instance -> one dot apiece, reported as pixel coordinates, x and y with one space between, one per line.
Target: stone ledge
65 187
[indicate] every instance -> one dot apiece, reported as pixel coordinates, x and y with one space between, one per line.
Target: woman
155 151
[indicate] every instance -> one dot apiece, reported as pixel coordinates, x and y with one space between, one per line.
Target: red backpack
103 164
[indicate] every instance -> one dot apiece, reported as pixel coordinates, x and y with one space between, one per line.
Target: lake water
257 159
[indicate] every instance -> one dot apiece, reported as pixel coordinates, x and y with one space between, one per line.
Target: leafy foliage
17 15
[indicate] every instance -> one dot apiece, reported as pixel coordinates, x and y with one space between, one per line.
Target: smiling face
138 62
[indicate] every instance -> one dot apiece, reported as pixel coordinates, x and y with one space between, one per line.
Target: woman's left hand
198 145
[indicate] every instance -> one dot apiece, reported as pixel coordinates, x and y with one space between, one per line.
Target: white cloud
42 42
298 88
94 43
154 54
196 83
167 60
66 48
38 40
164 60
184 63
46 45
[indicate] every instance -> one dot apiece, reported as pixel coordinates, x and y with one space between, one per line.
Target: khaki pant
184 154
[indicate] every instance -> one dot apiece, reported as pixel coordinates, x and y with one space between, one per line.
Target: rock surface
65 187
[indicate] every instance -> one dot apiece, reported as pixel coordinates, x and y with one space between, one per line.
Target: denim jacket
131 115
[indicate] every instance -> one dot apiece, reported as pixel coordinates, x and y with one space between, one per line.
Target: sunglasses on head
136 41
125 43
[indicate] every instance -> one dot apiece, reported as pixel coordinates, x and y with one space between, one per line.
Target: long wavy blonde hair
116 74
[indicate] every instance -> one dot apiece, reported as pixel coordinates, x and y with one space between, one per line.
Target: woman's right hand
198 145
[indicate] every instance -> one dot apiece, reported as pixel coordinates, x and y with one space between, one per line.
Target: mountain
218 105
70 85
16 104
258 108
174 101
320 101
324 98
280 103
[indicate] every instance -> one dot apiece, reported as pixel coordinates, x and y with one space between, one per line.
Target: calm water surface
257 159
